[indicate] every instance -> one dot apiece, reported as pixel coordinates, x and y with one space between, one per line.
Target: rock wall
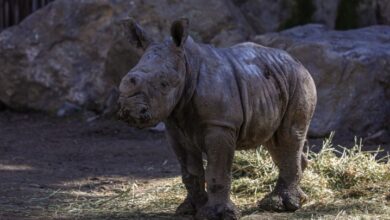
351 70
275 15
73 51
70 54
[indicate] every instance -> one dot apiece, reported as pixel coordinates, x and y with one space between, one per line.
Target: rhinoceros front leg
219 147
192 171
194 181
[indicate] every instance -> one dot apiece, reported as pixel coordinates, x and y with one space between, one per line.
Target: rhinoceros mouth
137 120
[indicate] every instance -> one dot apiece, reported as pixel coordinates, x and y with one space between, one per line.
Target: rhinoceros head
150 91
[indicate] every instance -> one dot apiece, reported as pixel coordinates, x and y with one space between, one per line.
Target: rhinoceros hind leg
283 200
286 150
287 195
186 208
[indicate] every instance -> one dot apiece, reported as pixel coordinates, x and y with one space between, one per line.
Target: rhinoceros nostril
145 117
143 110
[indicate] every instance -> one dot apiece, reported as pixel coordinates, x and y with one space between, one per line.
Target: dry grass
349 184
345 184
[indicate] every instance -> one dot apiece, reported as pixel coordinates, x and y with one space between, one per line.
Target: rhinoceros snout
135 115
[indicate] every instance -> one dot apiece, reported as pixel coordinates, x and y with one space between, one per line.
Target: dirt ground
42 155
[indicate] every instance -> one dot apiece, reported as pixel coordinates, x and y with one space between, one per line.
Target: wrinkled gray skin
216 101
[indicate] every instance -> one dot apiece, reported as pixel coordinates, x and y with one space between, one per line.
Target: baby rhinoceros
218 100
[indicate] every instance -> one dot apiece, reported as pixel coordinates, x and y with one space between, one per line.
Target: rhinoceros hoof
283 201
226 211
186 208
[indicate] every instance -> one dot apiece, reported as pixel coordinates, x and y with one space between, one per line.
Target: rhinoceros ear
179 31
135 34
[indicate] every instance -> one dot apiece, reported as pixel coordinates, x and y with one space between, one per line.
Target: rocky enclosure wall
14 11
72 53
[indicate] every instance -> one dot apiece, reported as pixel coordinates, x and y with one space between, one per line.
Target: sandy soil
40 153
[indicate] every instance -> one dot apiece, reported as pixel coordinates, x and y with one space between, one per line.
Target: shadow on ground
40 155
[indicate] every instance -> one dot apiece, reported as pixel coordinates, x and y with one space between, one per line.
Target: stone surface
265 15
326 12
348 14
274 15
352 73
383 12
59 54
73 52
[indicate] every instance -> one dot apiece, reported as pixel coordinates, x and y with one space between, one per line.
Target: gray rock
326 12
68 109
352 73
274 15
383 11
59 54
74 51
160 127
265 15
347 14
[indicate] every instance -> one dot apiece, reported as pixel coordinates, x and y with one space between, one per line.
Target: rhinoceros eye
164 84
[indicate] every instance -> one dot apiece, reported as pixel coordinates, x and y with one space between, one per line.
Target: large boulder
59 54
266 15
274 15
72 53
352 72
383 12
361 13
